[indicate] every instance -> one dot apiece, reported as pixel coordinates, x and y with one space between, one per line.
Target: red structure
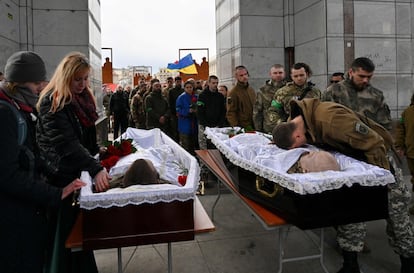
107 76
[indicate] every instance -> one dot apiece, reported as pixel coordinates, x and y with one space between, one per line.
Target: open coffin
143 214
308 200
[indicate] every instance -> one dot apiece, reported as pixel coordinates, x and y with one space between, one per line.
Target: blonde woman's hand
101 181
73 186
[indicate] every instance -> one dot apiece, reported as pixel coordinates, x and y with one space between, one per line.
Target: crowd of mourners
49 137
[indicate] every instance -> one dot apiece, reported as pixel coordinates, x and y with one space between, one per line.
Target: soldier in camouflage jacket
298 89
364 99
356 93
262 117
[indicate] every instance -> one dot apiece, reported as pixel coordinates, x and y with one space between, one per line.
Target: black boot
407 264
350 264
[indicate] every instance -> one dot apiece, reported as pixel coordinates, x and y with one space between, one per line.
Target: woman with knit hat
24 195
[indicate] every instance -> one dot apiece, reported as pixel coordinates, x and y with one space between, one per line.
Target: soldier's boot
407 265
350 264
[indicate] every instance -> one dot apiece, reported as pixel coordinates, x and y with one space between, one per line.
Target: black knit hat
25 66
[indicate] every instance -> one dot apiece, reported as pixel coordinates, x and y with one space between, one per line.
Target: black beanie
25 66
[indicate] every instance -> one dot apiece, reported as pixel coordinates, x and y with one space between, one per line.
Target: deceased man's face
318 161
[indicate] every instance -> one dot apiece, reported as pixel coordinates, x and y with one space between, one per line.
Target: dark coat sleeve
59 136
201 108
18 181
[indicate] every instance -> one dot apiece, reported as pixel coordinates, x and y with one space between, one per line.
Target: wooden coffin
355 193
329 208
138 225
143 214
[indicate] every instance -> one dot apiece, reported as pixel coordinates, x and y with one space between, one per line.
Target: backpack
21 122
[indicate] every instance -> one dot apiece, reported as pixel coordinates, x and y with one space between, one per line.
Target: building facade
53 28
326 34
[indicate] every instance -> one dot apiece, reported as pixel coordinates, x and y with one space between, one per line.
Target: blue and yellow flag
185 65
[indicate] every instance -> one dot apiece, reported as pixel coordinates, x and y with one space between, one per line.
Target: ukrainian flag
185 65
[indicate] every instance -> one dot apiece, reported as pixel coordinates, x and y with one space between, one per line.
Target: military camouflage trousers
399 229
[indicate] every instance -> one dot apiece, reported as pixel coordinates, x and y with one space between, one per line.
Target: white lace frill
168 158
254 152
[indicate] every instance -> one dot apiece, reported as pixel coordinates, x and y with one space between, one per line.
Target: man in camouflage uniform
157 109
137 108
356 93
262 117
299 88
170 85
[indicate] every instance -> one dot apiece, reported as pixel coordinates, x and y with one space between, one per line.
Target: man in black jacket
119 108
172 97
211 111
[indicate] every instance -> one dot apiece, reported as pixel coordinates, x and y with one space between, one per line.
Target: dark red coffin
138 224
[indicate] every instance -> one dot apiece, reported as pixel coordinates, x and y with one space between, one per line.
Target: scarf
23 96
84 108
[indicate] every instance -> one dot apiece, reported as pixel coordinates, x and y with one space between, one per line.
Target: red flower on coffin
109 162
115 151
182 179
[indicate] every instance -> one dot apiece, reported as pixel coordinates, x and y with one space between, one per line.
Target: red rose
126 148
182 179
109 162
112 150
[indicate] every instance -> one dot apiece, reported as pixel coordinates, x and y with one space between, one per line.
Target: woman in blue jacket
186 107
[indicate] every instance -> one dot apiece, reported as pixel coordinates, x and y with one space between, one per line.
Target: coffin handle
260 182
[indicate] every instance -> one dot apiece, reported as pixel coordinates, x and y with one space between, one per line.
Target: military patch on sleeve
361 128
228 100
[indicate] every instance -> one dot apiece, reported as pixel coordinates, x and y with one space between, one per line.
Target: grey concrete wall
53 28
249 34
326 34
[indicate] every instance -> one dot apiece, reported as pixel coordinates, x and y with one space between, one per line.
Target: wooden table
202 224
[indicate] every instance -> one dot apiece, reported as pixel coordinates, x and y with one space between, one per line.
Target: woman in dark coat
24 193
67 137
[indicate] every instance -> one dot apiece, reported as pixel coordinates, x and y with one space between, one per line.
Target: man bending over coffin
333 126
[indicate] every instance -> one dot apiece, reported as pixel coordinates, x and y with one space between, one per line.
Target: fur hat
141 172
25 66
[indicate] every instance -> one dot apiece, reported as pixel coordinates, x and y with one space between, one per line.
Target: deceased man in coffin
145 192
308 187
140 172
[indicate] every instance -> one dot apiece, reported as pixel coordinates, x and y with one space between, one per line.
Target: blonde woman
67 138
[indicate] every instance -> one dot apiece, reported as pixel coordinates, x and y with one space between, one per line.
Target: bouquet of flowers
116 150
233 131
